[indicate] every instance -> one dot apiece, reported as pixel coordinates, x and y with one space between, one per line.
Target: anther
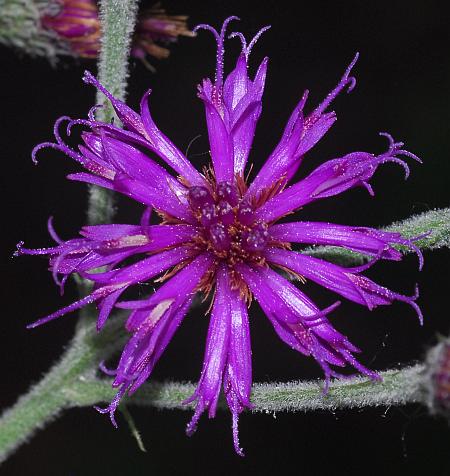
245 213
220 238
199 196
227 191
208 214
256 238
225 212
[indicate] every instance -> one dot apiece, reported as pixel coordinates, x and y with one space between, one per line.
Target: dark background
403 88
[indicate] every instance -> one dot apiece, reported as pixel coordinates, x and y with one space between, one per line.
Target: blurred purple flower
439 361
77 23
219 234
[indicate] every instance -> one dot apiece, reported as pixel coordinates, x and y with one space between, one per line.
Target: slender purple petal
278 162
216 353
99 293
360 239
331 178
220 143
237 379
152 345
160 236
142 270
105 307
110 232
110 244
341 280
243 99
165 148
239 365
299 323
299 136
173 291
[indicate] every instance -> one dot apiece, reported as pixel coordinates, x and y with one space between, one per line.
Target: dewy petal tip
218 235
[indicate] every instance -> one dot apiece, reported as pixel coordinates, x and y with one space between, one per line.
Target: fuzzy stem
65 387
117 20
31 412
73 382
53 393
398 387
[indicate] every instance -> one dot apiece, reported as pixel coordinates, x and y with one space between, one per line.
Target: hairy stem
77 386
397 388
53 393
117 20
33 411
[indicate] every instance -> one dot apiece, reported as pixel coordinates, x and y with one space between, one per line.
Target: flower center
227 223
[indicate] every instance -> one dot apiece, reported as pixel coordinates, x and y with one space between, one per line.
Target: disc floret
227 225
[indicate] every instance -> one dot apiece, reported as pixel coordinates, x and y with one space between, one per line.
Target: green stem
72 383
54 392
398 387
117 19
33 411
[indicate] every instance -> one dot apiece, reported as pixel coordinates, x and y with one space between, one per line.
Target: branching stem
73 381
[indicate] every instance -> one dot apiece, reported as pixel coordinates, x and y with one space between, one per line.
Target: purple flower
155 29
77 23
218 235
439 360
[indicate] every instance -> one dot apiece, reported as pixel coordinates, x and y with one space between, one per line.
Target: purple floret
218 235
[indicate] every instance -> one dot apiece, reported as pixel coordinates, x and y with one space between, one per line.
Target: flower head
156 29
438 372
77 23
219 235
